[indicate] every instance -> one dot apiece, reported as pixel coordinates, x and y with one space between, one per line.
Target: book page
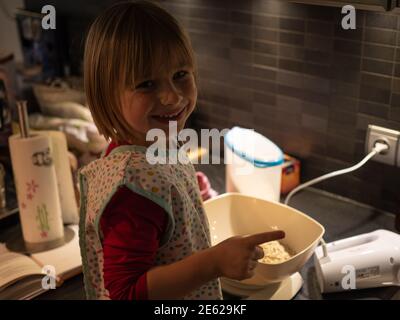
66 259
14 266
24 289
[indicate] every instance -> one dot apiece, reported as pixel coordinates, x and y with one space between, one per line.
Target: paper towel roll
36 186
69 206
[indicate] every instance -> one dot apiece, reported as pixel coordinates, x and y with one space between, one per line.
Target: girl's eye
145 85
180 74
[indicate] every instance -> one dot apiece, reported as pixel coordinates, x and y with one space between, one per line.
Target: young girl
143 229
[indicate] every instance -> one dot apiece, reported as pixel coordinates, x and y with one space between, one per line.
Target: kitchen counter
341 218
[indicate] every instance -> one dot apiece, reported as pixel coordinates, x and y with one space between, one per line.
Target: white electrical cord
378 148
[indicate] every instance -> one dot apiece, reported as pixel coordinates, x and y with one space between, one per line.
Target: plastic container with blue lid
253 164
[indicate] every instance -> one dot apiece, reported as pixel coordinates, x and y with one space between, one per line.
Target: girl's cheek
189 87
142 102
136 108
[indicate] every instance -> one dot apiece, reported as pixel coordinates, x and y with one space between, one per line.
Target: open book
21 275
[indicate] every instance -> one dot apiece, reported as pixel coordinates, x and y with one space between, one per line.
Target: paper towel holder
17 244
35 204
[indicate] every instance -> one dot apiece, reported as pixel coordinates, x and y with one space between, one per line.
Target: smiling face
155 101
140 72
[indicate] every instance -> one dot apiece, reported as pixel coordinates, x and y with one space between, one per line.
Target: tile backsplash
292 73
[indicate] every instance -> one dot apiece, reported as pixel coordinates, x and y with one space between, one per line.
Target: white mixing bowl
235 214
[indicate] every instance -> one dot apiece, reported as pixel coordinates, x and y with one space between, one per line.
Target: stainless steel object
23 119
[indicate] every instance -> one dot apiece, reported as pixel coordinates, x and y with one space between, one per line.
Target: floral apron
172 186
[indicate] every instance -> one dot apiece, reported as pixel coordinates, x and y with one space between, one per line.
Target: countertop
341 218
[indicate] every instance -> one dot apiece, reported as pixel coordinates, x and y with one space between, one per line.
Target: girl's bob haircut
127 43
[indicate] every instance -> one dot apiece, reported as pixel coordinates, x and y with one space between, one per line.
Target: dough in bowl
275 252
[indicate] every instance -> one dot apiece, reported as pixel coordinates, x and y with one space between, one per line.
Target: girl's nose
169 95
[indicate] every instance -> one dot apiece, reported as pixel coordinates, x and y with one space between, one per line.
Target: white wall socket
390 137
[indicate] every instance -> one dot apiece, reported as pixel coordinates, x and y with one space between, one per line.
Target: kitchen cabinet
377 5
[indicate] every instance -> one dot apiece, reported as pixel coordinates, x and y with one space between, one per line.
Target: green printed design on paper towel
42 218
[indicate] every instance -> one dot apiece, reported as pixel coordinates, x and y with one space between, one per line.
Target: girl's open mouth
165 119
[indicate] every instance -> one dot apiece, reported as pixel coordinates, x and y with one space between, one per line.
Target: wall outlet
388 136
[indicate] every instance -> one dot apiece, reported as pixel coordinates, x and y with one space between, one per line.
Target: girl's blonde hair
129 42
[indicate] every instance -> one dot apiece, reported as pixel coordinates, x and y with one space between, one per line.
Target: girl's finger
252 265
259 238
258 253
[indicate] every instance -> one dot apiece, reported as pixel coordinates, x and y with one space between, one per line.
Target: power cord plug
381 147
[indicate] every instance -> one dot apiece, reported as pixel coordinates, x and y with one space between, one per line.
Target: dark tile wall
76 20
290 72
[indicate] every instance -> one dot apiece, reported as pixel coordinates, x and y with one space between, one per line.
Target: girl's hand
236 257
204 185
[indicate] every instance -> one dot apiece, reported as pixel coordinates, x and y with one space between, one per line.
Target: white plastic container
253 164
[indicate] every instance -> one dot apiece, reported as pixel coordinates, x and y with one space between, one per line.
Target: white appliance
364 261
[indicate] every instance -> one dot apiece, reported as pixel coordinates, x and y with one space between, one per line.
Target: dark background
293 74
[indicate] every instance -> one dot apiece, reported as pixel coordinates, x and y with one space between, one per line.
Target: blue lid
253 147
